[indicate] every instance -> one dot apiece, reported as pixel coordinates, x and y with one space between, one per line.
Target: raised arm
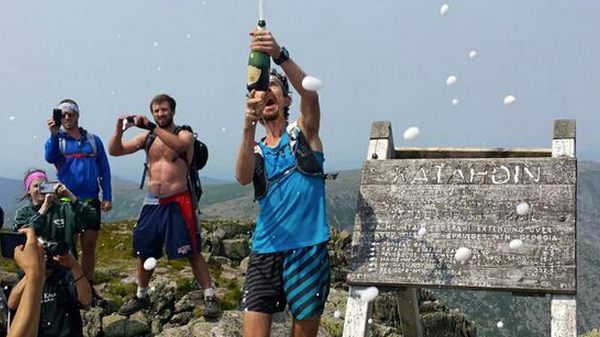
31 258
84 290
179 143
244 166
310 112
15 294
116 146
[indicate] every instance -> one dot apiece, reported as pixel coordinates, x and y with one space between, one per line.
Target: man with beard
82 166
289 261
167 216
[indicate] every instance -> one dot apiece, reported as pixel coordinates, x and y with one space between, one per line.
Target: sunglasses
69 114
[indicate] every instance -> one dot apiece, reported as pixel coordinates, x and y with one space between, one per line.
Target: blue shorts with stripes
298 277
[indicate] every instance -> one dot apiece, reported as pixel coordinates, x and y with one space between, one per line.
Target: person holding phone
53 219
30 258
64 291
83 167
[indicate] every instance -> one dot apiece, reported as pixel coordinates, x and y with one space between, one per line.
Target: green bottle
259 65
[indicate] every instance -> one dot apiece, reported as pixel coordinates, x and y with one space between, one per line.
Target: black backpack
198 162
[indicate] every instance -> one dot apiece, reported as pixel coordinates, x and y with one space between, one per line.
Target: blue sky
378 60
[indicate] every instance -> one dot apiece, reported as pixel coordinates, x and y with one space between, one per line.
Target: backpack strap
293 130
91 138
147 144
259 180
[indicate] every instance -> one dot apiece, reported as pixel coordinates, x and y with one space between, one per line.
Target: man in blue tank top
289 262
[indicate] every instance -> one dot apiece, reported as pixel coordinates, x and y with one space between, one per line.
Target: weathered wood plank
542 171
564 316
467 203
358 313
564 129
450 152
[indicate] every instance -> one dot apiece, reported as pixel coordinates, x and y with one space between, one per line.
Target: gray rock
119 326
185 304
243 268
235 249
162 295
181 318
221 261
92 322
7 278
182 331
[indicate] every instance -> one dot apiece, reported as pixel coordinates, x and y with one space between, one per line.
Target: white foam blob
223 129
150 263
119 36
515 244
155 43
311 83
422 231
412 133
500 325
12 118
369 294
455 101
158 68
523 208
34 136
337 314
472 54
451 80
463 254
188 36
444 9
509 100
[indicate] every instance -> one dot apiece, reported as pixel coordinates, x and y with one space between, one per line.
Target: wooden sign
472 203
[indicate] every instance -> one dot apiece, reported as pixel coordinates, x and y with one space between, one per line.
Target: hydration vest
305 161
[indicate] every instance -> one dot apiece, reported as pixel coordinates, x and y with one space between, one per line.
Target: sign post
466 198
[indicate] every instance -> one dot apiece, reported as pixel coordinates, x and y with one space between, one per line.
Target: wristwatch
283 56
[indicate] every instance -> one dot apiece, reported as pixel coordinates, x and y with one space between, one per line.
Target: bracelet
79 278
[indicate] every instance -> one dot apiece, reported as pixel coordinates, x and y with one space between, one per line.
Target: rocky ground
177 303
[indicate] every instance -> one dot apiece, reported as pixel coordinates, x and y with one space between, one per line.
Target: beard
163 124
271 117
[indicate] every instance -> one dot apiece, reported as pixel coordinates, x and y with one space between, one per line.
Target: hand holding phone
48 187
128 122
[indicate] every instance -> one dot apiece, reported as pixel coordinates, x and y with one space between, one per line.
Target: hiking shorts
169 222
298 277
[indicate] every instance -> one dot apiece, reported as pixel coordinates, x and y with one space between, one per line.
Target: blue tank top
293 213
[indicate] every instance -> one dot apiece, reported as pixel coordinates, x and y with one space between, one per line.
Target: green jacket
60 223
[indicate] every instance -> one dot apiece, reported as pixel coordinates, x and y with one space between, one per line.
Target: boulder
243 267
92 322
119 326
235 249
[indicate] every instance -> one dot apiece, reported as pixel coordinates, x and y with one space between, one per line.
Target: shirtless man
167 216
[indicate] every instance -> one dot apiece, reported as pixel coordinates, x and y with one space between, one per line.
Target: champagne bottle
259 65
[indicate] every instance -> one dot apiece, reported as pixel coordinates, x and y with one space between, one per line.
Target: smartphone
8 242
48 187
57 115
128 121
